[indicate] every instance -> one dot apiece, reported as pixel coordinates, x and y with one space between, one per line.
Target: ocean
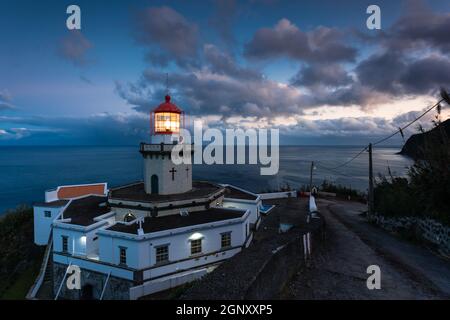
27 171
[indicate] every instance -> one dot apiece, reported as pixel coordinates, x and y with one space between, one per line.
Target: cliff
415 145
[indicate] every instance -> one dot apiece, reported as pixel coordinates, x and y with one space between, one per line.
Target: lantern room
167 118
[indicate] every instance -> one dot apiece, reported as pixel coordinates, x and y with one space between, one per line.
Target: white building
146 236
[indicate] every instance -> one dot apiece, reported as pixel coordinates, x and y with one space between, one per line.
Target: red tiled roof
68 192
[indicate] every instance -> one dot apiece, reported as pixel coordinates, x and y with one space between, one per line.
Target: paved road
338 270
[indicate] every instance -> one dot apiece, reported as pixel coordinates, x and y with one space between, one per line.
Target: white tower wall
161 166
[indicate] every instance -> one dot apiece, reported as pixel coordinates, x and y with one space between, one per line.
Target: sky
311 69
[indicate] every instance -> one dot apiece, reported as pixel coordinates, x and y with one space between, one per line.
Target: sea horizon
28 172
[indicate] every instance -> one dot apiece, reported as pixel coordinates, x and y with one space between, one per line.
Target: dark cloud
381 72
331 74
395 74
99 129
168 30
419 27
74 47
158 59
322 74
205 92
223 63
424 76
223 19
287 40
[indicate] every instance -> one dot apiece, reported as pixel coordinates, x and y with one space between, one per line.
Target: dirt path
338 270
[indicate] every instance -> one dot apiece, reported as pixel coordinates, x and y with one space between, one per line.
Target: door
155 184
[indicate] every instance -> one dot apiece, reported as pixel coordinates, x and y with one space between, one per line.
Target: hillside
20 258
414 146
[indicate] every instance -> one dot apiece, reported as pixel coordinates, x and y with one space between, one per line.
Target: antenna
167 83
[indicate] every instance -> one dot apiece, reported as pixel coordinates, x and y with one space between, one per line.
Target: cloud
74 47
5 101
419 28
158 59
98 129
168 30
286 40
223 18
205 92
322 74
5 106
332 73
223 64
5 96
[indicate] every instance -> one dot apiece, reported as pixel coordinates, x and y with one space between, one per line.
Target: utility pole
371 207
310 177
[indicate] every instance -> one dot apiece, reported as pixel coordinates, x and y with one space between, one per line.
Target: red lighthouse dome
167 106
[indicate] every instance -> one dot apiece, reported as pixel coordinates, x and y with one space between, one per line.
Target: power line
348 161
409 124
400 130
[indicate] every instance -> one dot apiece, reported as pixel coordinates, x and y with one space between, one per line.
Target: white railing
104 287
62 281
31 295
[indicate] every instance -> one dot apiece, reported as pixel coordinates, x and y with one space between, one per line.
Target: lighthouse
161 175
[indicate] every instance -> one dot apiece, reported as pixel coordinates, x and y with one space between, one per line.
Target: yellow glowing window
167 122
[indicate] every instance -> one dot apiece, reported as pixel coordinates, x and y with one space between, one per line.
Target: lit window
123 256
65 243
226 239
196 246
47 214
162 254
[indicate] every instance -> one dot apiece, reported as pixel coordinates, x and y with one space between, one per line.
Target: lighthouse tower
161 175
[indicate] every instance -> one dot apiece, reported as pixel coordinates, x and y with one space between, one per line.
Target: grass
20 258
19 289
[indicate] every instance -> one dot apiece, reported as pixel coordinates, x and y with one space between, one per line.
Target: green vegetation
19 257
342 191
426 191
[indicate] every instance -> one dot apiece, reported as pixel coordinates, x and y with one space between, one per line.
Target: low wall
278 195
165 283
116 288
428 229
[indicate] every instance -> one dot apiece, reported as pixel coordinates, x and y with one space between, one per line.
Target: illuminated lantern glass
167 122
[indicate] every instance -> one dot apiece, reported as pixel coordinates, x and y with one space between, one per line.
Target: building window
123 256
162 254
196 246
47 214
225 239
65 244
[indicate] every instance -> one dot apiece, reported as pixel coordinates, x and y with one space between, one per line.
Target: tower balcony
162 148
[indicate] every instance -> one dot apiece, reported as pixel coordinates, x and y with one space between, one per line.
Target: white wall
77 241
42 224
142 254
252 206
278 195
